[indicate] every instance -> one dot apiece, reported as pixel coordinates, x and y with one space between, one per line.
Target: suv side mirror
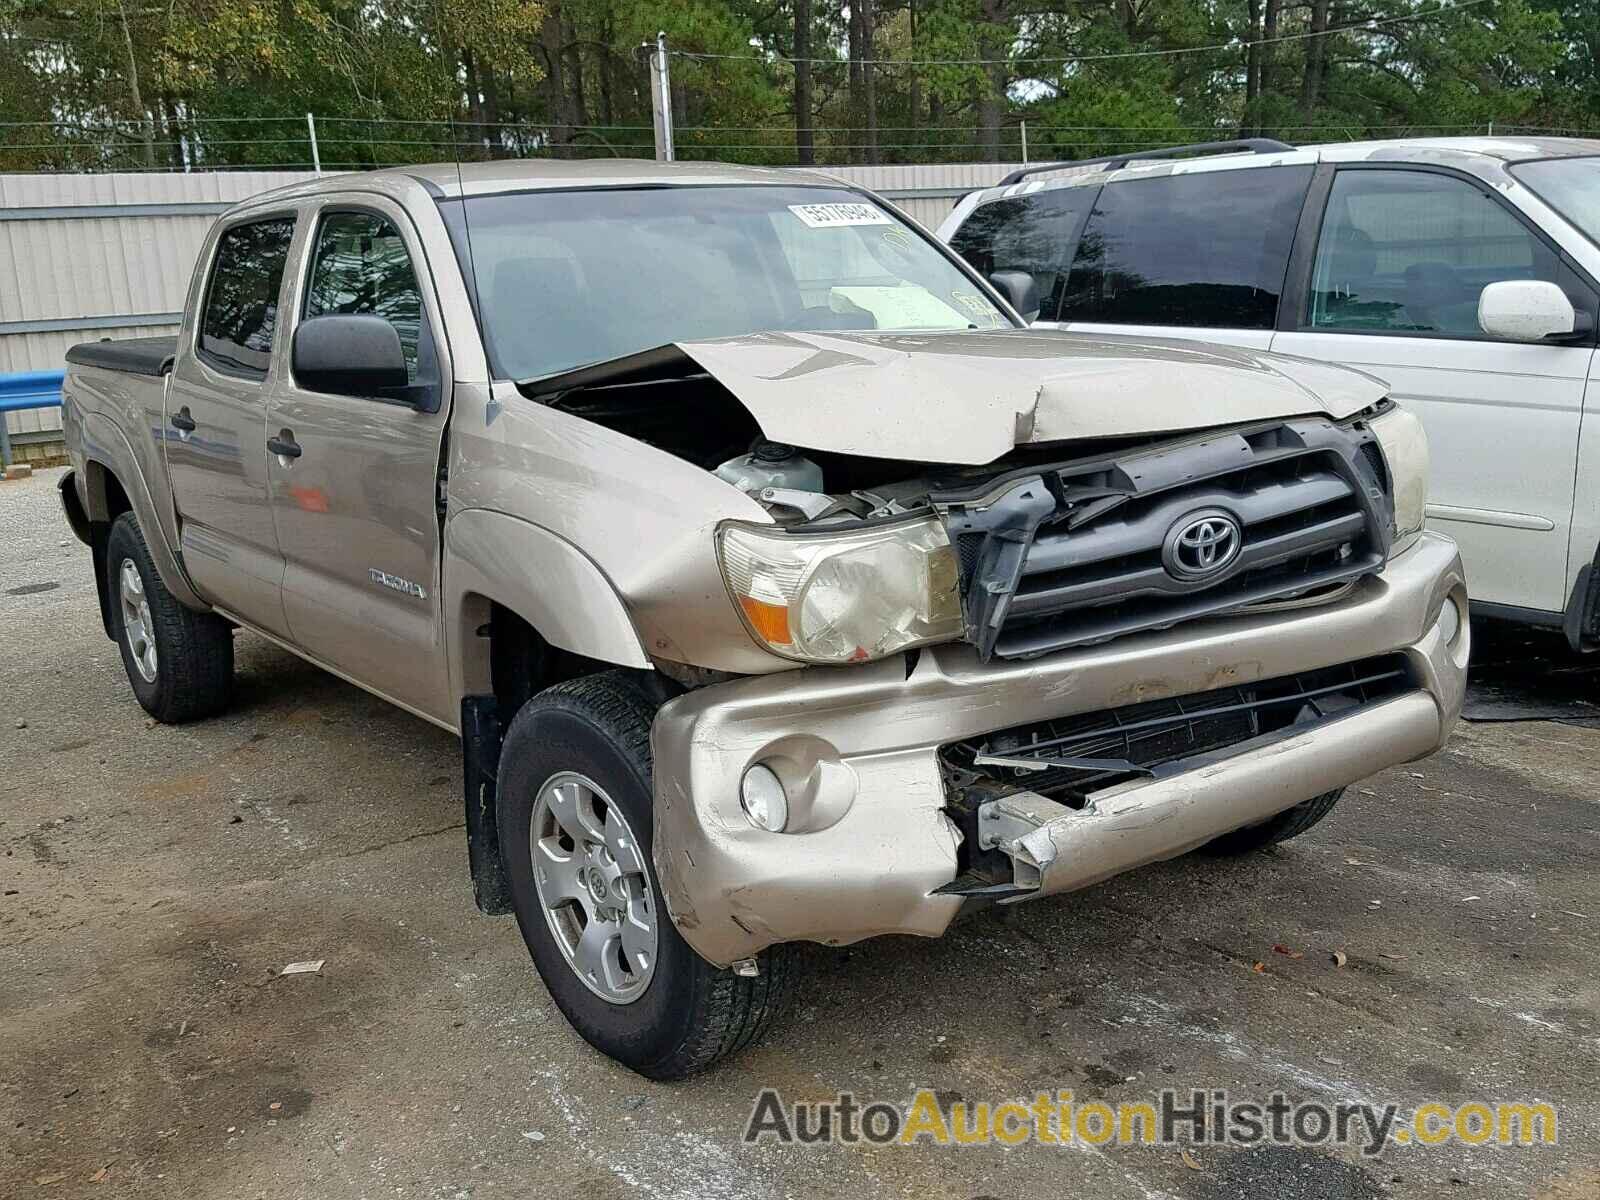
1020 291
1528 310
349 354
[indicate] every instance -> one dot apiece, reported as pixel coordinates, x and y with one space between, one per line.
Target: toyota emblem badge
1201 545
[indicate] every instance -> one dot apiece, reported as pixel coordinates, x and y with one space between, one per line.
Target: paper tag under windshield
837 216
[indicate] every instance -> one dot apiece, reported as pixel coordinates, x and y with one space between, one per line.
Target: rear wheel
575 818
1291 822
179 662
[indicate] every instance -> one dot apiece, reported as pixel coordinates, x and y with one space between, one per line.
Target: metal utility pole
661 98
316 155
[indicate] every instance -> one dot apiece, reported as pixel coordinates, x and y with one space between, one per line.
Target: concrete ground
157 879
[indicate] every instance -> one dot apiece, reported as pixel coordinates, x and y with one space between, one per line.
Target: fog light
763 799
1449 621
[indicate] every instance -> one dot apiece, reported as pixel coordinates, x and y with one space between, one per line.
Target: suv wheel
575 817
180 662
1291 822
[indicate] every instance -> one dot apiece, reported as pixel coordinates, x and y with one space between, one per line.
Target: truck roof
527 174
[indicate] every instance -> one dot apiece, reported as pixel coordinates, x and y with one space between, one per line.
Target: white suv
1463 271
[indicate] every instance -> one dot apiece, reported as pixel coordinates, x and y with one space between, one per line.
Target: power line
1360 27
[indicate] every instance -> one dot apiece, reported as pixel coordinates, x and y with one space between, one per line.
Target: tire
1291 822
179 662
681 1014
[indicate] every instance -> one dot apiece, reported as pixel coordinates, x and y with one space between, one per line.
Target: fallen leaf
46 1180
100 1176
1190 1161
1258 967
1280 948
1339 958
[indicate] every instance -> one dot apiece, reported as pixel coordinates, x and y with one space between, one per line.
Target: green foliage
173 84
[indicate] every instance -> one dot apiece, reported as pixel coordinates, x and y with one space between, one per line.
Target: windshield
564 279
1571 186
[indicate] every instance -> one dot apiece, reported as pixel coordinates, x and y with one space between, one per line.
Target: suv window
1026 233
1409 252
242 300
1206 248
361 265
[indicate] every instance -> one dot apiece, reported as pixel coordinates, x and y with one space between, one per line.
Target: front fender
543 578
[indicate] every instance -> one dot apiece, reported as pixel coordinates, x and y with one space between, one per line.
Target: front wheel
575 817
180 662
1291 822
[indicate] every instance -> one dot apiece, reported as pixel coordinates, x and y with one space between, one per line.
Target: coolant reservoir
771 465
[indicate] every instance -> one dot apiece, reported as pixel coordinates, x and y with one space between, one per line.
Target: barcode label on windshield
832 216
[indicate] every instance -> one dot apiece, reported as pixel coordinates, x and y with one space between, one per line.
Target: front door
216 422
356 497
1401 259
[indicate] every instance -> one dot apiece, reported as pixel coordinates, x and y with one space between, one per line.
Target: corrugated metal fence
88 256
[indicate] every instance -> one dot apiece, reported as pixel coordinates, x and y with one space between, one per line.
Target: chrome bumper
868 841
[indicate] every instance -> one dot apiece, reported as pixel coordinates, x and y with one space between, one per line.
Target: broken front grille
1089 551
1069 757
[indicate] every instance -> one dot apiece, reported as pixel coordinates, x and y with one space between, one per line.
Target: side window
1409 252
1194 249
361 265
241 307
1031 233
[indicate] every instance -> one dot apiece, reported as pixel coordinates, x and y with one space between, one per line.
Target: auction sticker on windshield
834 216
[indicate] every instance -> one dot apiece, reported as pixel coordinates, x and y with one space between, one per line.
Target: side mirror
1526 310
1020 291
348 355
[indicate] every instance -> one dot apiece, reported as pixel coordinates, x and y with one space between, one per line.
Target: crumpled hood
968 397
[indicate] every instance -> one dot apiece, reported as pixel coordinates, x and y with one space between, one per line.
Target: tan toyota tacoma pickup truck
780 584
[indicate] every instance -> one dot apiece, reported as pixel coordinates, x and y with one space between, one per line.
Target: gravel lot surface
157 879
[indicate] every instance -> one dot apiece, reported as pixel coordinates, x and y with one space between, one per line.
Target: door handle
284 444
182 421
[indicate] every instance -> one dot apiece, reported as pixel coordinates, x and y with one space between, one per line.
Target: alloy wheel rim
138 630
593 886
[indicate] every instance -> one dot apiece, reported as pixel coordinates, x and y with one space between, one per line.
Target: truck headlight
843 597
1405 452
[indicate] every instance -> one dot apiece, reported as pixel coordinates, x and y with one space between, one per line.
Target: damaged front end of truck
1067 606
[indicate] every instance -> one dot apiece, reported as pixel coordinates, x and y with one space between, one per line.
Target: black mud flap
99 537
1581 621
480 764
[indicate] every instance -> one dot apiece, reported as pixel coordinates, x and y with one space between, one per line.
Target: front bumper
857 747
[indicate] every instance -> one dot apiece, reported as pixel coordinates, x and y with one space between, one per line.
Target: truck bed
135 356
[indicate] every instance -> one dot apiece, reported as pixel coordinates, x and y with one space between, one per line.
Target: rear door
357 502
1401 256
216 422
1200 254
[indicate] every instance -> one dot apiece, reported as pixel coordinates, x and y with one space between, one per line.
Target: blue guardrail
30 389
26 389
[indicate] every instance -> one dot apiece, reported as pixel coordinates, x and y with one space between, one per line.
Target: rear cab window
1190 249
241 306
